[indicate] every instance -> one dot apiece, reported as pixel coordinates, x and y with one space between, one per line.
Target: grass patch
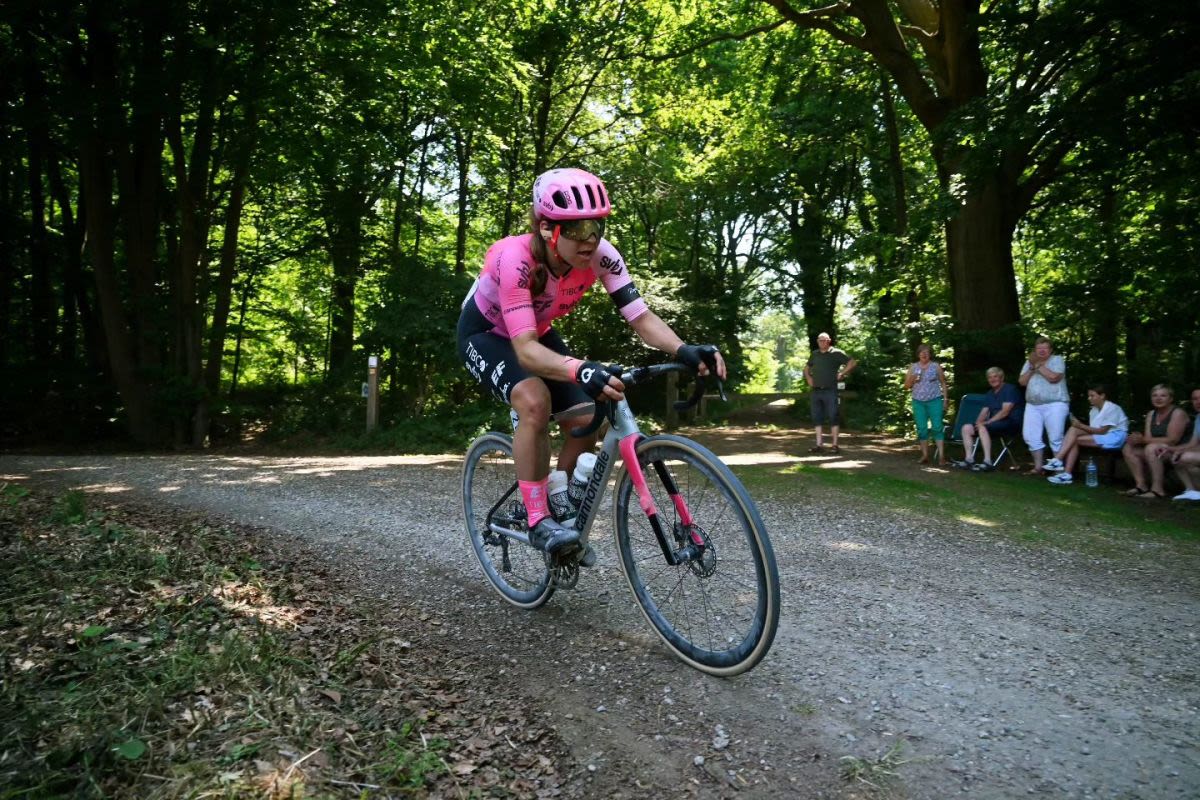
1020 508
161 659
876 773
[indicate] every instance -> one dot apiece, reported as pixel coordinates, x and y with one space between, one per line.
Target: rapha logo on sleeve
614 265
523 271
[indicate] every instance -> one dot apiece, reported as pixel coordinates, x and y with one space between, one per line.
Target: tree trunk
344 225
983 284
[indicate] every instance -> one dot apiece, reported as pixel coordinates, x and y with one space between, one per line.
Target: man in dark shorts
1002 416
826 368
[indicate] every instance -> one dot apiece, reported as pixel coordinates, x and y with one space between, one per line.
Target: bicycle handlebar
635 375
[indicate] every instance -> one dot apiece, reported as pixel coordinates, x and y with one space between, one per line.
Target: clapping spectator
1044 377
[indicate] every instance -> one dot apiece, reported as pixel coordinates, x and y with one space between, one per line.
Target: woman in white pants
1044 377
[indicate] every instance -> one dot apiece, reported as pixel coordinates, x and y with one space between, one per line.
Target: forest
212 212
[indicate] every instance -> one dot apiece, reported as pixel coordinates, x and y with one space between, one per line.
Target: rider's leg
573 447
531 450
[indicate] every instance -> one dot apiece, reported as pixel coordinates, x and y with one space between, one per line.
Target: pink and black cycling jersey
501 293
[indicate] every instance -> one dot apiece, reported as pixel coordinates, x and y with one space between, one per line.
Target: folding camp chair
969 407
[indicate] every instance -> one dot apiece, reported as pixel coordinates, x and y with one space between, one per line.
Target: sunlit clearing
984 523
169 488
759 458
844 463
106 488
854 546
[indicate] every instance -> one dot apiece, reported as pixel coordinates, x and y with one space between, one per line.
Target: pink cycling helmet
570 194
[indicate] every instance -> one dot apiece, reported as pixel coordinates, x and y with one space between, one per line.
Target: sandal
1136 491
1151 494
835 449
1036 471
817 449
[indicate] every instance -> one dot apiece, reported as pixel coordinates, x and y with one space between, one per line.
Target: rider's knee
531 400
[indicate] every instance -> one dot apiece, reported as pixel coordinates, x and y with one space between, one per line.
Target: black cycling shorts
493 362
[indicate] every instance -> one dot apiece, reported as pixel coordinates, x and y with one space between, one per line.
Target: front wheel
490 495
718 608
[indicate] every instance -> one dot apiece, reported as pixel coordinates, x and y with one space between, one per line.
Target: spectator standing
927 381
826 368
1044 376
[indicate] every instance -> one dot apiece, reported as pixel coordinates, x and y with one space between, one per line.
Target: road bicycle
692 545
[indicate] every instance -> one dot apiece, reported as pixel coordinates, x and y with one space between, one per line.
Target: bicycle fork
694 549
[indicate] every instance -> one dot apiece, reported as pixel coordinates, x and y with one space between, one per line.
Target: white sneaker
1062 478
1054 465
1190 494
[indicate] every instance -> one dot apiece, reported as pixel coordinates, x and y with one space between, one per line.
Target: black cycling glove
695 354
593 377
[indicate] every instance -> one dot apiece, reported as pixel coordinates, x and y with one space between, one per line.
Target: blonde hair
1170 392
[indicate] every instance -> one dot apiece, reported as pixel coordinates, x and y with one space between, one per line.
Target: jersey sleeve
515 268
609 267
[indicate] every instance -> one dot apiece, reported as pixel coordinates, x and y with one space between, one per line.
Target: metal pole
372 392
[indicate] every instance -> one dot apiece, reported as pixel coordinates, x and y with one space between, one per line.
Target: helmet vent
591 197
560 200
578 197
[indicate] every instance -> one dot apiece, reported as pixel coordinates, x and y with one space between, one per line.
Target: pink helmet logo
570 194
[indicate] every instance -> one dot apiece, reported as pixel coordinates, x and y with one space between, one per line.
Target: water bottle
513 418
580 477
1093 475
560 503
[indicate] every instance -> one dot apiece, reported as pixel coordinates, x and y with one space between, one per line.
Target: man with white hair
827 367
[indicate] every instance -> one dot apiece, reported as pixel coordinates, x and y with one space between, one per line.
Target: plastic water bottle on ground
580 477
1093 475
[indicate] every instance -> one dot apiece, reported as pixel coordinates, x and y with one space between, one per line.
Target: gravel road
997 670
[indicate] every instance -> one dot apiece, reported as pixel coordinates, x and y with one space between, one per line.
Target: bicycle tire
488 474
683 605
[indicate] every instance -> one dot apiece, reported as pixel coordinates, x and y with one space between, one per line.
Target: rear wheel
489 483
718 609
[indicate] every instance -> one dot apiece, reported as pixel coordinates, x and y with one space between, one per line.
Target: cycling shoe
587 557
550 536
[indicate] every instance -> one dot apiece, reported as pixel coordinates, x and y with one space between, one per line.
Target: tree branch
724 37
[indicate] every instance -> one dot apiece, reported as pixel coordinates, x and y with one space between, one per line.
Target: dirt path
998 671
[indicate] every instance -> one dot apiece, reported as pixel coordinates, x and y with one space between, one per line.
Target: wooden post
672 396
372 392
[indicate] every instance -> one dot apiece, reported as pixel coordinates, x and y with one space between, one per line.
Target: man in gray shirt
826 368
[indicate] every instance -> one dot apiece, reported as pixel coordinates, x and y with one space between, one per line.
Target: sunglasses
580 230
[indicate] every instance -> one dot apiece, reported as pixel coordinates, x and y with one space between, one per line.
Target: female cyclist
506 341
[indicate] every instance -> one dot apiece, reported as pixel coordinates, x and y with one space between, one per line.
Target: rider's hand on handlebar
598 382
704 358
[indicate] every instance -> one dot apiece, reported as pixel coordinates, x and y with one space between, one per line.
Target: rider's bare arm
659 335
544 362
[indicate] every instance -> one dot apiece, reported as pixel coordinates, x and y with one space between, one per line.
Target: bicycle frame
622 437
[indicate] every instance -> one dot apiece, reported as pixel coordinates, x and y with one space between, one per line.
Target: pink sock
535 497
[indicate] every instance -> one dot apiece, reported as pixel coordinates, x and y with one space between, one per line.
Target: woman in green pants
927 381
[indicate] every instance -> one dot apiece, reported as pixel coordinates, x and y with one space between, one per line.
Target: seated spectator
1184 457
1000 417
1165 424
1107 428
